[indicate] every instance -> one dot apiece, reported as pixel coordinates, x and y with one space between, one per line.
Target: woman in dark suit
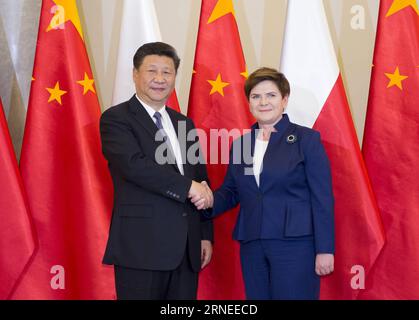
285 225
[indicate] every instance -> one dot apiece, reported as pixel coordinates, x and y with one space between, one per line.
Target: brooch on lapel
292 138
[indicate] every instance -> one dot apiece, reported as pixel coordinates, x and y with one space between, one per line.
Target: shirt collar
151 111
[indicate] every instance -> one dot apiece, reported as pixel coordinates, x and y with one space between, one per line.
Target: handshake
201 195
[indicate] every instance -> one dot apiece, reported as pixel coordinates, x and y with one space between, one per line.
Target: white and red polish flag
318 100
139 26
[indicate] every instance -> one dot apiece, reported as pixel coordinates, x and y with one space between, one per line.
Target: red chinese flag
391 149
16 241
173 102
66 178
217 101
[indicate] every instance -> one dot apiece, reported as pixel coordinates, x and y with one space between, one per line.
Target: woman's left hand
324 264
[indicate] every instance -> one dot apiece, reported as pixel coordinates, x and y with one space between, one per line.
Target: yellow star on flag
245 74
56 93
218 85
222 8
396 79
87 84
66 10
399 5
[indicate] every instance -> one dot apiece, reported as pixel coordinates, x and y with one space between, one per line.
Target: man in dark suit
158 241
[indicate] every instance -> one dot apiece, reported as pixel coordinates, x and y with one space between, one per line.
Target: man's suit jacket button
184 214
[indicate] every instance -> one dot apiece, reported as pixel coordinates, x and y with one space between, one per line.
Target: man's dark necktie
157 116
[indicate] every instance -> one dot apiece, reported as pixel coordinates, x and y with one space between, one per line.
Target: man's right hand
201 195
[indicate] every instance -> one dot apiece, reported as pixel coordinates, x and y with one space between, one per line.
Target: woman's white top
260 149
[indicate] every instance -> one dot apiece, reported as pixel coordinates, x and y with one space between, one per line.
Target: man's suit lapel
143 118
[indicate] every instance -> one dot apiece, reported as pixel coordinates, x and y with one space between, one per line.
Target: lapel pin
291 139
